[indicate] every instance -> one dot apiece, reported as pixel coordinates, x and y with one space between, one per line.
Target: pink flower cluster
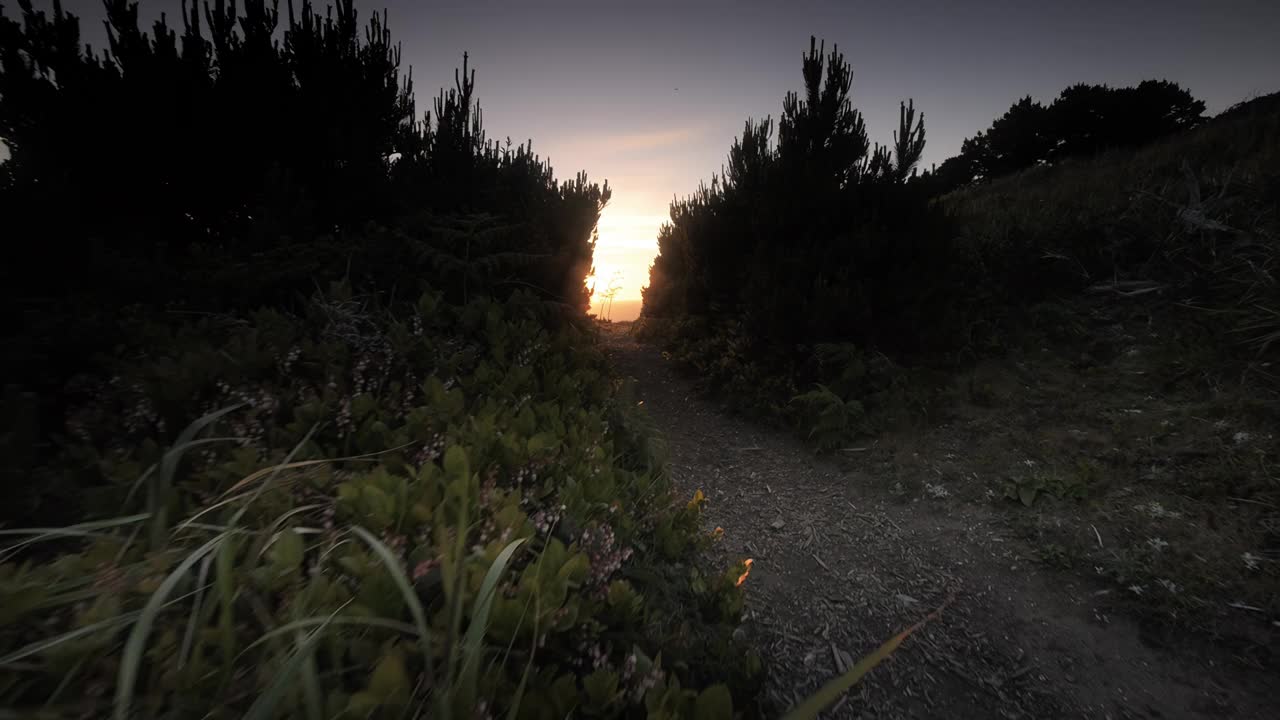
544 520
599 543
430 451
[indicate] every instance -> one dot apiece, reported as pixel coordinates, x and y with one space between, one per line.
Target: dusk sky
649 95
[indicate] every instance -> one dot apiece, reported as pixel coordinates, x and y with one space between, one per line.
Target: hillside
1078 357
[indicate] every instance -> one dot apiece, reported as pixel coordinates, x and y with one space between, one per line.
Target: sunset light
490 317
627 245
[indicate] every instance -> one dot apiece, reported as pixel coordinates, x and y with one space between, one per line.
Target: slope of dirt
841 563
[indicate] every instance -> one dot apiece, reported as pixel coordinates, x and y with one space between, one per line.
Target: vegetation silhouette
242 134
243 160
1083 120
814 236
823 280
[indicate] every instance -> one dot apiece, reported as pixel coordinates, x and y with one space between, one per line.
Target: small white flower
1136 589
1029 463
937 491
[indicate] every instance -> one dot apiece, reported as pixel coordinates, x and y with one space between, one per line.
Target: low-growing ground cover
366 509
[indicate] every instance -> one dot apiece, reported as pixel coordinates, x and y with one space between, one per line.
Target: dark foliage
244 161
816 238
1084 120
818 280
243 133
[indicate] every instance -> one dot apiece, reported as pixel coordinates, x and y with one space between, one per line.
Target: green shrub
830 420
381 508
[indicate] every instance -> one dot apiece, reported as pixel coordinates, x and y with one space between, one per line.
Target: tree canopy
1083 120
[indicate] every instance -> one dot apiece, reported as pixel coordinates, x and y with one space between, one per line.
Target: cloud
651 140
614 144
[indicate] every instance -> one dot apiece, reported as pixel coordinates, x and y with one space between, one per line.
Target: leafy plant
1026 489
831 420
440 506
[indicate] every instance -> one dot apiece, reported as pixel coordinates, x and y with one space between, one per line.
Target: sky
650 94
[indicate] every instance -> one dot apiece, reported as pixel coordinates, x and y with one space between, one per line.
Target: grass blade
264 707
290 627
472 641
131 661
406 590
42 645
830 692
79 530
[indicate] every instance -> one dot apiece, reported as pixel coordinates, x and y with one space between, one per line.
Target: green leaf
287 550
456 464
601 687
542 441
714 703
389 682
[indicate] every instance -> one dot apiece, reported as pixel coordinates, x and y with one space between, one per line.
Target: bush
374 504
817 240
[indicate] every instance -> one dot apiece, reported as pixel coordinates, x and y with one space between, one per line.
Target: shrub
444 506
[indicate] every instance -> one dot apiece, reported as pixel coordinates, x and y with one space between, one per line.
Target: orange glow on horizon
627 245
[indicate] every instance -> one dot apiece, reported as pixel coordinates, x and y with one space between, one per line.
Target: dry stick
1253 502
824 565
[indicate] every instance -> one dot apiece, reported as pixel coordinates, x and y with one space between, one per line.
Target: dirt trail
840 566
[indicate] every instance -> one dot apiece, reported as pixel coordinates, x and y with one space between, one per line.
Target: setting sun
627 245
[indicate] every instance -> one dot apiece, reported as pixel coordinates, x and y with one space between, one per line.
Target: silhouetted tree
244 137
1083 120
810 239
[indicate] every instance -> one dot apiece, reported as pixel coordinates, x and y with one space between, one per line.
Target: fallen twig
824 565
1253 502
1140 288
